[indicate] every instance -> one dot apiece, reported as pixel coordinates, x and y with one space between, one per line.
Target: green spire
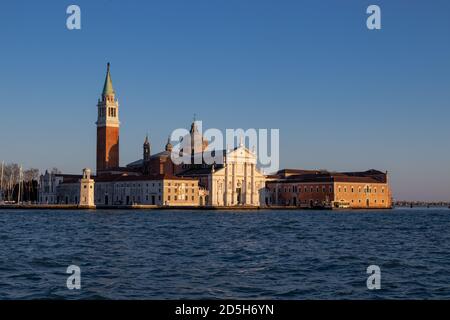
108 88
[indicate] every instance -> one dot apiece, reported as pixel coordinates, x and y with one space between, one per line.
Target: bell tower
146 158
107 127
146 148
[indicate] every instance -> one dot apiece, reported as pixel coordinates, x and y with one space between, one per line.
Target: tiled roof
115 178
201 170
370 176
140 163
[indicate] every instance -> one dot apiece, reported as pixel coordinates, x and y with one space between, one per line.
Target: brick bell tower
107 127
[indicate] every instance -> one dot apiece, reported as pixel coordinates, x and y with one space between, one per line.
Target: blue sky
343 97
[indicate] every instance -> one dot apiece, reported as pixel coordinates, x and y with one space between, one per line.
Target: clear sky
343 97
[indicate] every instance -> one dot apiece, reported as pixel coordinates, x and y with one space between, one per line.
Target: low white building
87 199
121 189
49 187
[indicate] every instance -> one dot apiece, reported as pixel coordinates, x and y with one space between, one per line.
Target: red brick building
323 189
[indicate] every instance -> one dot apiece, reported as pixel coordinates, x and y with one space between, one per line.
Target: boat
341 205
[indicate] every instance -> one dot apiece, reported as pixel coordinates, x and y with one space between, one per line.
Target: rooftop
369 176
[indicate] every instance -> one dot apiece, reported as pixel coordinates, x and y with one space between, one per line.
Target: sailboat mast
20 183
10 186
1 183
1 179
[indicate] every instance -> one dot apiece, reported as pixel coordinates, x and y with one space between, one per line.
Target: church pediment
241 155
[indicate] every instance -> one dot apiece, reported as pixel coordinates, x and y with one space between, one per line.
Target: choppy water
211 254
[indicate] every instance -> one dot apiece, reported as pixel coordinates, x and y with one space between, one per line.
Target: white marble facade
239 182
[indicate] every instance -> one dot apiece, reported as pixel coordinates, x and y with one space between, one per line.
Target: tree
30 177
11 176
31 174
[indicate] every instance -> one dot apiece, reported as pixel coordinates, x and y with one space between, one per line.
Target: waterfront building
158 190
127 190
115 185
324 189
87 184
50 187
236 181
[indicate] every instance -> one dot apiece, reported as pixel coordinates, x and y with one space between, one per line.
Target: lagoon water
224 254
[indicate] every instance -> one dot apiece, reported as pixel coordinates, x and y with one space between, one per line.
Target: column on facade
225 191
233 184
212 189
276 193
253 188
245 182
